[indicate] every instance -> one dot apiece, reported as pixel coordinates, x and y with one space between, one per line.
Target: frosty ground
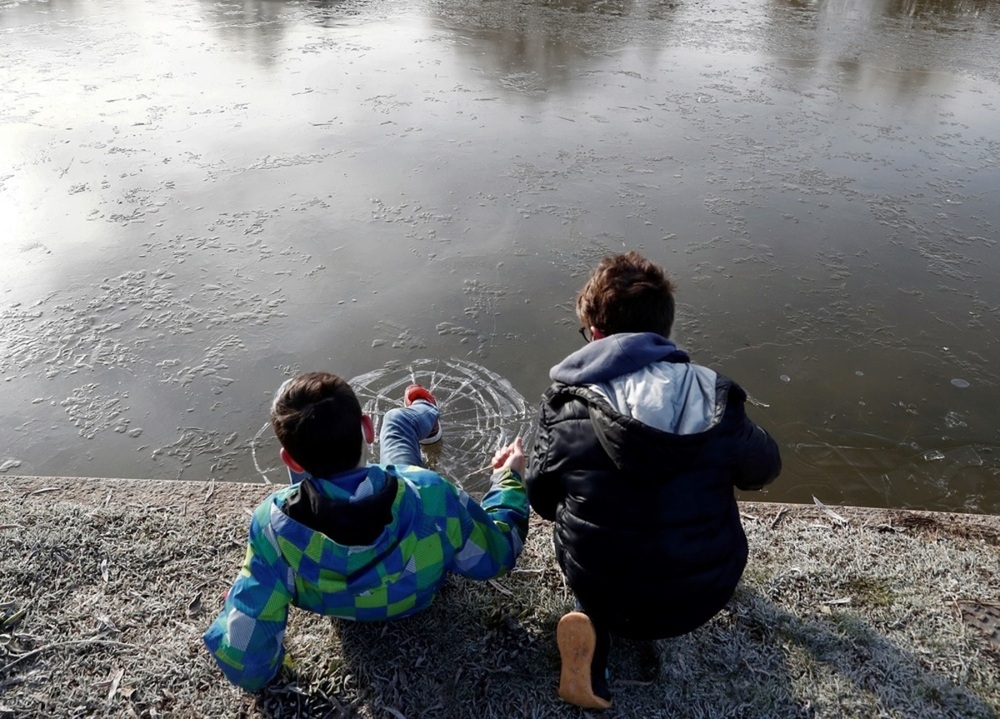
106 586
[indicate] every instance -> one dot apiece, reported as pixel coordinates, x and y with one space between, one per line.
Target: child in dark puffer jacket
636 458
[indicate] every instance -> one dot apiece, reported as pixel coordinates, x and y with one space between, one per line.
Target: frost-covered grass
106 586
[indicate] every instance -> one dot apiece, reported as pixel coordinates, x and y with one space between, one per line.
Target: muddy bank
106 586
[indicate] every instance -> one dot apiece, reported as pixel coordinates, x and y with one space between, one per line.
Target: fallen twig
978 602
503 590
57 645
474 472
842 600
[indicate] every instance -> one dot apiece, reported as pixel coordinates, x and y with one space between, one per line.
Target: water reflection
15 13
240 20
846 43
534 49
254 27
651 10
939 9
333 13
433 179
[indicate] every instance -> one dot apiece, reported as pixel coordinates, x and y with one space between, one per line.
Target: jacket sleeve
492 531
545 489
760 459
246 638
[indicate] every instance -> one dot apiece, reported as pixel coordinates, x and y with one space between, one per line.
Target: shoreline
107 584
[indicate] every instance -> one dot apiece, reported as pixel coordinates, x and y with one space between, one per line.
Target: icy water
198 199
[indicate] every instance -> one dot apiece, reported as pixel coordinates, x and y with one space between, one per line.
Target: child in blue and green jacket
365 542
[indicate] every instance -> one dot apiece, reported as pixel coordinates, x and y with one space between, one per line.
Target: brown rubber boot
577 639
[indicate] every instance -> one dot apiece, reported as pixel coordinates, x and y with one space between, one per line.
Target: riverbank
106 586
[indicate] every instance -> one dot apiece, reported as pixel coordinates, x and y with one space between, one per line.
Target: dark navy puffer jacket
636 458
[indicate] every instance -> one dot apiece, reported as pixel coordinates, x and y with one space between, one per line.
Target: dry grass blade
44 490
114 686
11 621
829 512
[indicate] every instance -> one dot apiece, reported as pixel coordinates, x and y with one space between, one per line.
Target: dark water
198 199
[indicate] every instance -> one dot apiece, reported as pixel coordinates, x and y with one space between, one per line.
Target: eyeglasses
585 333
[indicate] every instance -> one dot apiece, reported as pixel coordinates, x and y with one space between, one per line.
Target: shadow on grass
477 653
758 659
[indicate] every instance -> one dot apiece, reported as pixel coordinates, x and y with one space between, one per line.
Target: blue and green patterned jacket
424 528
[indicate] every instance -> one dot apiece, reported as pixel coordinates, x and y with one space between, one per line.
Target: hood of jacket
645 377
366 510
604 359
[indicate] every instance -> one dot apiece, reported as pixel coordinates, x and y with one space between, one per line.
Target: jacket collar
615 355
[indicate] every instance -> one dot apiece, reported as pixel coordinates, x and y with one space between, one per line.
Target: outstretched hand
510 457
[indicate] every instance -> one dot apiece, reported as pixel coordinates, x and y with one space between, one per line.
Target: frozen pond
198 199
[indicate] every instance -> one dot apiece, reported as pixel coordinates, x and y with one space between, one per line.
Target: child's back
364 542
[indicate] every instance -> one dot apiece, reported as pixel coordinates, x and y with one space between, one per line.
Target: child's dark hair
627 293
317 419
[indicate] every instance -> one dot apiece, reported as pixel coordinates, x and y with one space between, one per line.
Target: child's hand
510 457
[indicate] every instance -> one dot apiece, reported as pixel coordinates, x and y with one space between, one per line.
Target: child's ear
367 429
289 462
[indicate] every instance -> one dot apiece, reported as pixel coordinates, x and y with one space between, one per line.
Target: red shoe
416 392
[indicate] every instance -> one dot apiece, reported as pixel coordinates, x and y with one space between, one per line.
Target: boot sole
435 437
577 640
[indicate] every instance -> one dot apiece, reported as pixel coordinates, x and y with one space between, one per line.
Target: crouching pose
636 458
361 541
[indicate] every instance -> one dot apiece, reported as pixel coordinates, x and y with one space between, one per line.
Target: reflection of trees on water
11 14
898 8
891 86
536 47
893 49
655 10
258 26
330 13
254 26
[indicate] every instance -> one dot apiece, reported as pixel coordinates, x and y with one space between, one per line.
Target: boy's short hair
317 419
627 293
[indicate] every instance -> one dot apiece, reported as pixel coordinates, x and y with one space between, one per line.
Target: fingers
513 448
510 457
501 455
